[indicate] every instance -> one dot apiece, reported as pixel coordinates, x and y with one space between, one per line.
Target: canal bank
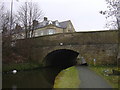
67 78
72 77
42 78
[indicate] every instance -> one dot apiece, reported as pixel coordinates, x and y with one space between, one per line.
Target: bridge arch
61 58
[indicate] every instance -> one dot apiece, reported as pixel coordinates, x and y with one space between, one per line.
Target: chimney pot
45 18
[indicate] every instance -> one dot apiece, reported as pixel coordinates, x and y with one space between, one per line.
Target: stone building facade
48 27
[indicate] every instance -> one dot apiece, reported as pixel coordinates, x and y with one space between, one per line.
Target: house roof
42 24
64 24
46 23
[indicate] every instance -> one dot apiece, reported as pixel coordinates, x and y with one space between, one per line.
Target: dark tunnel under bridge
61 58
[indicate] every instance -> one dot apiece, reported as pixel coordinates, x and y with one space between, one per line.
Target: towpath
89 79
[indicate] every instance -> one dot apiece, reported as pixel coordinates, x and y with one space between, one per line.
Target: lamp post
11 15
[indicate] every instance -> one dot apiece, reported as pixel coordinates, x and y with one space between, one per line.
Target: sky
84 14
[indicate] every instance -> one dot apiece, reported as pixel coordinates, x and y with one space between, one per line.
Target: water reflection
40 78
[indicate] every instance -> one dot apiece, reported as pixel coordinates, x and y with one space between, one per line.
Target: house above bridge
47 27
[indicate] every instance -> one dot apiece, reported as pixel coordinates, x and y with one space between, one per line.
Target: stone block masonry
99 45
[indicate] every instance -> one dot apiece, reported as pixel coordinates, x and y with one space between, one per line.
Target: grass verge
68 78
104 71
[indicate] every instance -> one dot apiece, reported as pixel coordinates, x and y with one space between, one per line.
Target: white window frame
51 31
41 33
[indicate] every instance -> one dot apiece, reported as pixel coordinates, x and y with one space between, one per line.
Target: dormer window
57 23
50 22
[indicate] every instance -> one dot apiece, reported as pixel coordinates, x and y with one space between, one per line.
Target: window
41 33
70 27
51 31
69 30
36 34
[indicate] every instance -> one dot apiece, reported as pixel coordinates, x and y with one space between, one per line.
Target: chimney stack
45 18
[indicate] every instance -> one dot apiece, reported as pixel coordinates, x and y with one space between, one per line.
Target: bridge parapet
79 38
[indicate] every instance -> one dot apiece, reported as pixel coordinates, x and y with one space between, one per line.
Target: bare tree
112 14
27 13
5 20
5 27
1 15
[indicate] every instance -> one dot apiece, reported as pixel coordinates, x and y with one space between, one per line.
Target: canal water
40 78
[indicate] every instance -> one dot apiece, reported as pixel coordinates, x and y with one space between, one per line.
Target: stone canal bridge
63 49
